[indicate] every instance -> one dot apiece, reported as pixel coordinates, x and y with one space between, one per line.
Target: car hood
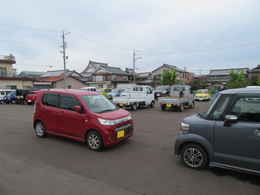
117 114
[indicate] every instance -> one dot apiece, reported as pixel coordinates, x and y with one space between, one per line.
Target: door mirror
229 119
77 109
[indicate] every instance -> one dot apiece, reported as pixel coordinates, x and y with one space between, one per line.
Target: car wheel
134 107
194 156
94 141
39 129
181 108
152 104
163 107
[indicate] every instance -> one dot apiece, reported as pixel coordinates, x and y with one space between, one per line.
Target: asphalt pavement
145 164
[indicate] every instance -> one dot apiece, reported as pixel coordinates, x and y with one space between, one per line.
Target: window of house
68 102
3 72
50 100
247 109
99 78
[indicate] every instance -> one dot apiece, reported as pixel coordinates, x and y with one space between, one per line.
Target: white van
136 97
3 93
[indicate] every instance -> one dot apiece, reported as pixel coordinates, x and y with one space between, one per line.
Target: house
255 72
182 75
101 75
144 78
30 74
222 76
6 66
73 80
16 83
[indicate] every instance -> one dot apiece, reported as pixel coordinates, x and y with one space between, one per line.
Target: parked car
21 95
31 97
10 98
162 91
180 97
3 93
89 88
226 136
135 97
202 95
116 93
104 91
83 116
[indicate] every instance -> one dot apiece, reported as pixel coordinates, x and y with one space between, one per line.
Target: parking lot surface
143 165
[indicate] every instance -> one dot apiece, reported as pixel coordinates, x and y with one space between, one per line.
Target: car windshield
211 104
178 89
98 103
202 91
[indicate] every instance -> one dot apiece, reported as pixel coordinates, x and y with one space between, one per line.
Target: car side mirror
77 109
229 119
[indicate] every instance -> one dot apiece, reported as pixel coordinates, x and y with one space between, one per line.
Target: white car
136 97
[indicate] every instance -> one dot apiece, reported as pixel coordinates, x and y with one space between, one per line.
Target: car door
70 122
49 111
238 144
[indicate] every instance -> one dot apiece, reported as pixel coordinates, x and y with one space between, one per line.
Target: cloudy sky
196 34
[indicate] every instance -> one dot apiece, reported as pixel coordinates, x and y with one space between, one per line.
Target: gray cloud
198 34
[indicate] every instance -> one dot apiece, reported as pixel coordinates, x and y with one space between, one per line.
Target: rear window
50 100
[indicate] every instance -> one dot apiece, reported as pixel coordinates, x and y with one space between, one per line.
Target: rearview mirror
77 109
229 119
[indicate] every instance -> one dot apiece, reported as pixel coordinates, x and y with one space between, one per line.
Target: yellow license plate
121 105
120 133
168 105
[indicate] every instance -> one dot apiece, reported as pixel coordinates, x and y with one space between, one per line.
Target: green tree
255 80
168 77
237 80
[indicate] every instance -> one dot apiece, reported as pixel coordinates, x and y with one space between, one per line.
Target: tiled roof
225 71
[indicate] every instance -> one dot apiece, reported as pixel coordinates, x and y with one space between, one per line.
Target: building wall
18 84
9 68
73 83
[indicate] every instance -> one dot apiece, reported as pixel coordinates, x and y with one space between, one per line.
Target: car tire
152 104
39 129
194 156
163 107
181 108
94 141
134 107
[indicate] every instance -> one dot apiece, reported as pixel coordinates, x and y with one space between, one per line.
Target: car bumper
201 98
112 138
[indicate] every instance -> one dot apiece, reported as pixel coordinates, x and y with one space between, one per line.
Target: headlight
185 126
114 122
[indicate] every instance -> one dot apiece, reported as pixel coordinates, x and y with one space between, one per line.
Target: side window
50 100
149 90
247 109
220 107
68 102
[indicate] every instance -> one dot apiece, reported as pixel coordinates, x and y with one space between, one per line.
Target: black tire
163 107
152 104
94 141
134 107
181 108
39 129
194 156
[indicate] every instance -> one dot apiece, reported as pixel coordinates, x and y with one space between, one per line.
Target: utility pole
135 59
64 56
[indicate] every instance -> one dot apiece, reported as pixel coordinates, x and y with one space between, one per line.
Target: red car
81 115
31 97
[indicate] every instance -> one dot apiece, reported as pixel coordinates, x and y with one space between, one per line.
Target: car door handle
257 132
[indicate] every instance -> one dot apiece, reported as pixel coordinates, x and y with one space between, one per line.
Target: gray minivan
226 136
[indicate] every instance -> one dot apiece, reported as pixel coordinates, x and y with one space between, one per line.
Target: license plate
120 133
121 105
168 105
158 94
